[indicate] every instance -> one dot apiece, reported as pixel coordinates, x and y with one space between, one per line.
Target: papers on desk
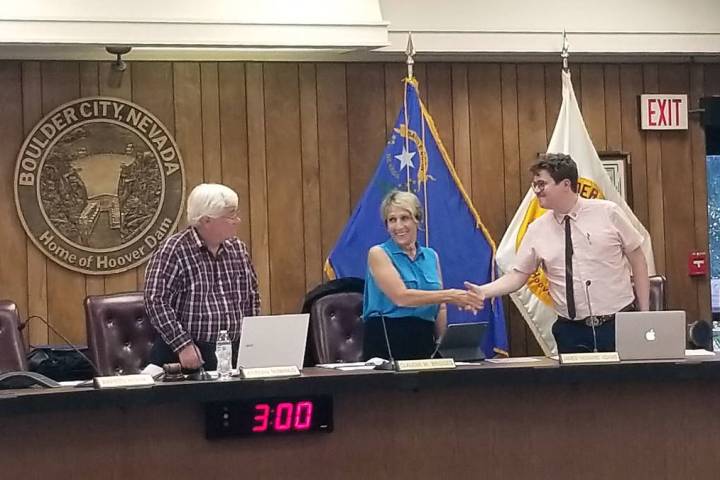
348 366
338 365
75 383
373 362
153 370
514 360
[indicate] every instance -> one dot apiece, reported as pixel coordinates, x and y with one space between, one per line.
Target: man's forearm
642 292
170 330
163 318
638 264
508 283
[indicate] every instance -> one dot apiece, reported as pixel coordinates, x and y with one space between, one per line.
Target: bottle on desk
223 353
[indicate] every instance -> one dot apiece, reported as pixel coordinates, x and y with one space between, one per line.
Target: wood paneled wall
299 143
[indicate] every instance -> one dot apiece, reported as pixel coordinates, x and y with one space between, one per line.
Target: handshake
472 299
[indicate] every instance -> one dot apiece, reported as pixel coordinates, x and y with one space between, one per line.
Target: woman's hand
466 300
476 291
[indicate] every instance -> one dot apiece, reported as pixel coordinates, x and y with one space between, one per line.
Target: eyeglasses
539 185
231 218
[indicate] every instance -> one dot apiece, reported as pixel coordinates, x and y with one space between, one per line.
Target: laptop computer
650 335
273 341
463 342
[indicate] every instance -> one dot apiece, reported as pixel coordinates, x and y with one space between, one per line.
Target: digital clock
269 416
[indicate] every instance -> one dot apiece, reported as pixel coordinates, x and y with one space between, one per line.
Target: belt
597 320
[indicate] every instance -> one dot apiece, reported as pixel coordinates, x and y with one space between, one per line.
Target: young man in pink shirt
588 250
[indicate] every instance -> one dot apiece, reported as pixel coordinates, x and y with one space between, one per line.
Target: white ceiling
361 30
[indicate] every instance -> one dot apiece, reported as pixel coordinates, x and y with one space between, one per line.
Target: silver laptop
650 335
273 341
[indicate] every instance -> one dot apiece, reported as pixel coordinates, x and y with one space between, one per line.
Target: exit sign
663 112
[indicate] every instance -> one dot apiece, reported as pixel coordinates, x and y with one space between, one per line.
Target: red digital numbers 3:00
284 417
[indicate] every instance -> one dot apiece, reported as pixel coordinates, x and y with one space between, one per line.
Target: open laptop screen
273 341
463 341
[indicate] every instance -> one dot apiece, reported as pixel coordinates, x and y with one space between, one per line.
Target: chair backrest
657 292
336 327
120 336
12 348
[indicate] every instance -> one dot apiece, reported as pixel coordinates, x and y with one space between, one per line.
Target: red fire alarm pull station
697 264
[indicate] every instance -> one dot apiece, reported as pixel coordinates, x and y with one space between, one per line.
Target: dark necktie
569 292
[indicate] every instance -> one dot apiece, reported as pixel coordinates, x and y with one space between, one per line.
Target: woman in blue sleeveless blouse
404 285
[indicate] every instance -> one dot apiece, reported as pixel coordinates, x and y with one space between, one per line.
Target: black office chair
657 292
12 348
336 328
120 336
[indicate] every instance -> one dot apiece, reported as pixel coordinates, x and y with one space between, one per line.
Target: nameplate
124 381
270 372
424 364
592 357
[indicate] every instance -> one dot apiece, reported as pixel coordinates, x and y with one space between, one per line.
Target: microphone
593 320
391 364
24 324
438 343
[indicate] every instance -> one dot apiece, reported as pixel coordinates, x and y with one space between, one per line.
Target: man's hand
465 300
476 291
190 357
508 283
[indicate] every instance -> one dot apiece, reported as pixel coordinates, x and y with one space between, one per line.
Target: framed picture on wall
617 165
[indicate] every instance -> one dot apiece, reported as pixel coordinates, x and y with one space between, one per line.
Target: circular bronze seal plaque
99 183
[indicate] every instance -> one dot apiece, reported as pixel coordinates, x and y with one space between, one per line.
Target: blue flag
415 160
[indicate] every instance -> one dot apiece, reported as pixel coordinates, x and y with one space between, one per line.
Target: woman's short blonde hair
210 200
400 199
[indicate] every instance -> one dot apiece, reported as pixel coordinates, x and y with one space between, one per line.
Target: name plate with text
124 381
425 364
593 357
270 372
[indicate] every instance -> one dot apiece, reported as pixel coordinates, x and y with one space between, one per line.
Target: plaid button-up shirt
191 295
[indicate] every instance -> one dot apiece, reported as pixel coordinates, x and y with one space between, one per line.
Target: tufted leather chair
12 349
336 327
120 336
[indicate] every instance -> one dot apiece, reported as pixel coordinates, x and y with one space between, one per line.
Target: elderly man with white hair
201 281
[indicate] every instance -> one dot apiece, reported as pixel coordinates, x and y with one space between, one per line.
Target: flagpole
565 54
409 52
425 195
424 180
410 61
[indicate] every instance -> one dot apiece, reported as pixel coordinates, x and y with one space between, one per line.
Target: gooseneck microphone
391 365
24 324
438 343
593 320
